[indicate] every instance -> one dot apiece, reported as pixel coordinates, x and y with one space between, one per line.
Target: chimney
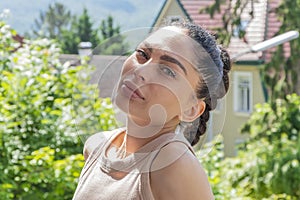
85 49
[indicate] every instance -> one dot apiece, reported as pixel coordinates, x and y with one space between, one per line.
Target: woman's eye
142 53
168 71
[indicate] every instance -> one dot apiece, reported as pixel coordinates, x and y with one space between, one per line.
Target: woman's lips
131 91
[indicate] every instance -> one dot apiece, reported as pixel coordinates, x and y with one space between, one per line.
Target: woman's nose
143 72
139 74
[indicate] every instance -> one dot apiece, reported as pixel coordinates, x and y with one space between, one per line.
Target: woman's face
158 80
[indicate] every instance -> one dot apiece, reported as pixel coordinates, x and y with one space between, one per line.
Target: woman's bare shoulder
178 174
94 141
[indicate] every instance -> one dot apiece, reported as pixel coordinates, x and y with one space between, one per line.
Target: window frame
236 99
174 18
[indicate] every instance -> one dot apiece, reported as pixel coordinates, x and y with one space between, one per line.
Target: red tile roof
263 26
255 29
193 7
273 27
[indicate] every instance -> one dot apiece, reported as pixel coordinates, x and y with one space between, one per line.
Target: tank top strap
162 142
173 157
175 138
104 139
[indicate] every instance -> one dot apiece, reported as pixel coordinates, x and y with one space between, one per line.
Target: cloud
119 5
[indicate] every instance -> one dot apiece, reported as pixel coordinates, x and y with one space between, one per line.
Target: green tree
70 40
287 70
106 40
85 29
81 30
51 23
47 109
107 28
112 42
69 30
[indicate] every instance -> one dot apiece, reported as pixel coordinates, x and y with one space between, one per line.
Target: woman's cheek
128 65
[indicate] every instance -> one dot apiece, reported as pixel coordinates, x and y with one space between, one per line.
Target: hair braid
211 99
202 126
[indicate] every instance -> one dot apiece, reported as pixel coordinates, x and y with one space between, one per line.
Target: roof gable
170 8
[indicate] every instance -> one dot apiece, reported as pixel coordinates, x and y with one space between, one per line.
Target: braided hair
210 93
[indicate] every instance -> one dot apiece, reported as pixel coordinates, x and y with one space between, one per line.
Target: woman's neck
138 136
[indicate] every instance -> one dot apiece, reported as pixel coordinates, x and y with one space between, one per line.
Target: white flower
5 14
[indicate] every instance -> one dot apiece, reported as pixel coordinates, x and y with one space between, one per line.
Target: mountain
129 14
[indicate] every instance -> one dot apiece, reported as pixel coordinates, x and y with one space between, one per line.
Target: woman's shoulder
183 175
97 140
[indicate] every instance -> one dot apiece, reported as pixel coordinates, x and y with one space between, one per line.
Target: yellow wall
233 121
171 9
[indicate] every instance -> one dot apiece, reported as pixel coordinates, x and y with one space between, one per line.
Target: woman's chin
121 106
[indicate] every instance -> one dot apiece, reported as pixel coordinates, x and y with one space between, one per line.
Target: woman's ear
193 112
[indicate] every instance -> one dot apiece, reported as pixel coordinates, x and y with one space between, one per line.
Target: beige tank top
104 178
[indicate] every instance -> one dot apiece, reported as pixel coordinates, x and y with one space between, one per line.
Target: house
246 83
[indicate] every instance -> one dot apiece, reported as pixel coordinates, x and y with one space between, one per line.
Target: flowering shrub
46 110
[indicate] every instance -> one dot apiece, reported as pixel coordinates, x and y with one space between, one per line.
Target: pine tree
112 42
85 29
51 23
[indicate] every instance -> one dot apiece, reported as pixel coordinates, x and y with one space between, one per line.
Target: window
242 92
174 18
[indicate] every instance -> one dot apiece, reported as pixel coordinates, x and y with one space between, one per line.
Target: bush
268 163
46 110
275 141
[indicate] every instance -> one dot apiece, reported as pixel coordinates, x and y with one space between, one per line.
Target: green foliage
270 120
282 74
69 30
268 164
106 40
211 156
46 110
274 139
85 29
41 176
81 30
70 40
112 42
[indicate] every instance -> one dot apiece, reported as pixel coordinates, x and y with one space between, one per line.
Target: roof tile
263 26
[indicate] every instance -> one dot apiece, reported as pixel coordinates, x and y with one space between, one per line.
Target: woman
167 88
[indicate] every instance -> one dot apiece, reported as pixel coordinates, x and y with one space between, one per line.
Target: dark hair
205 90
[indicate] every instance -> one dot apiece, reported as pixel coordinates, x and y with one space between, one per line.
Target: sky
129 14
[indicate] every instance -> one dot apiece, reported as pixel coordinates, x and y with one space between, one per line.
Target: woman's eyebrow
148 46
173 60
